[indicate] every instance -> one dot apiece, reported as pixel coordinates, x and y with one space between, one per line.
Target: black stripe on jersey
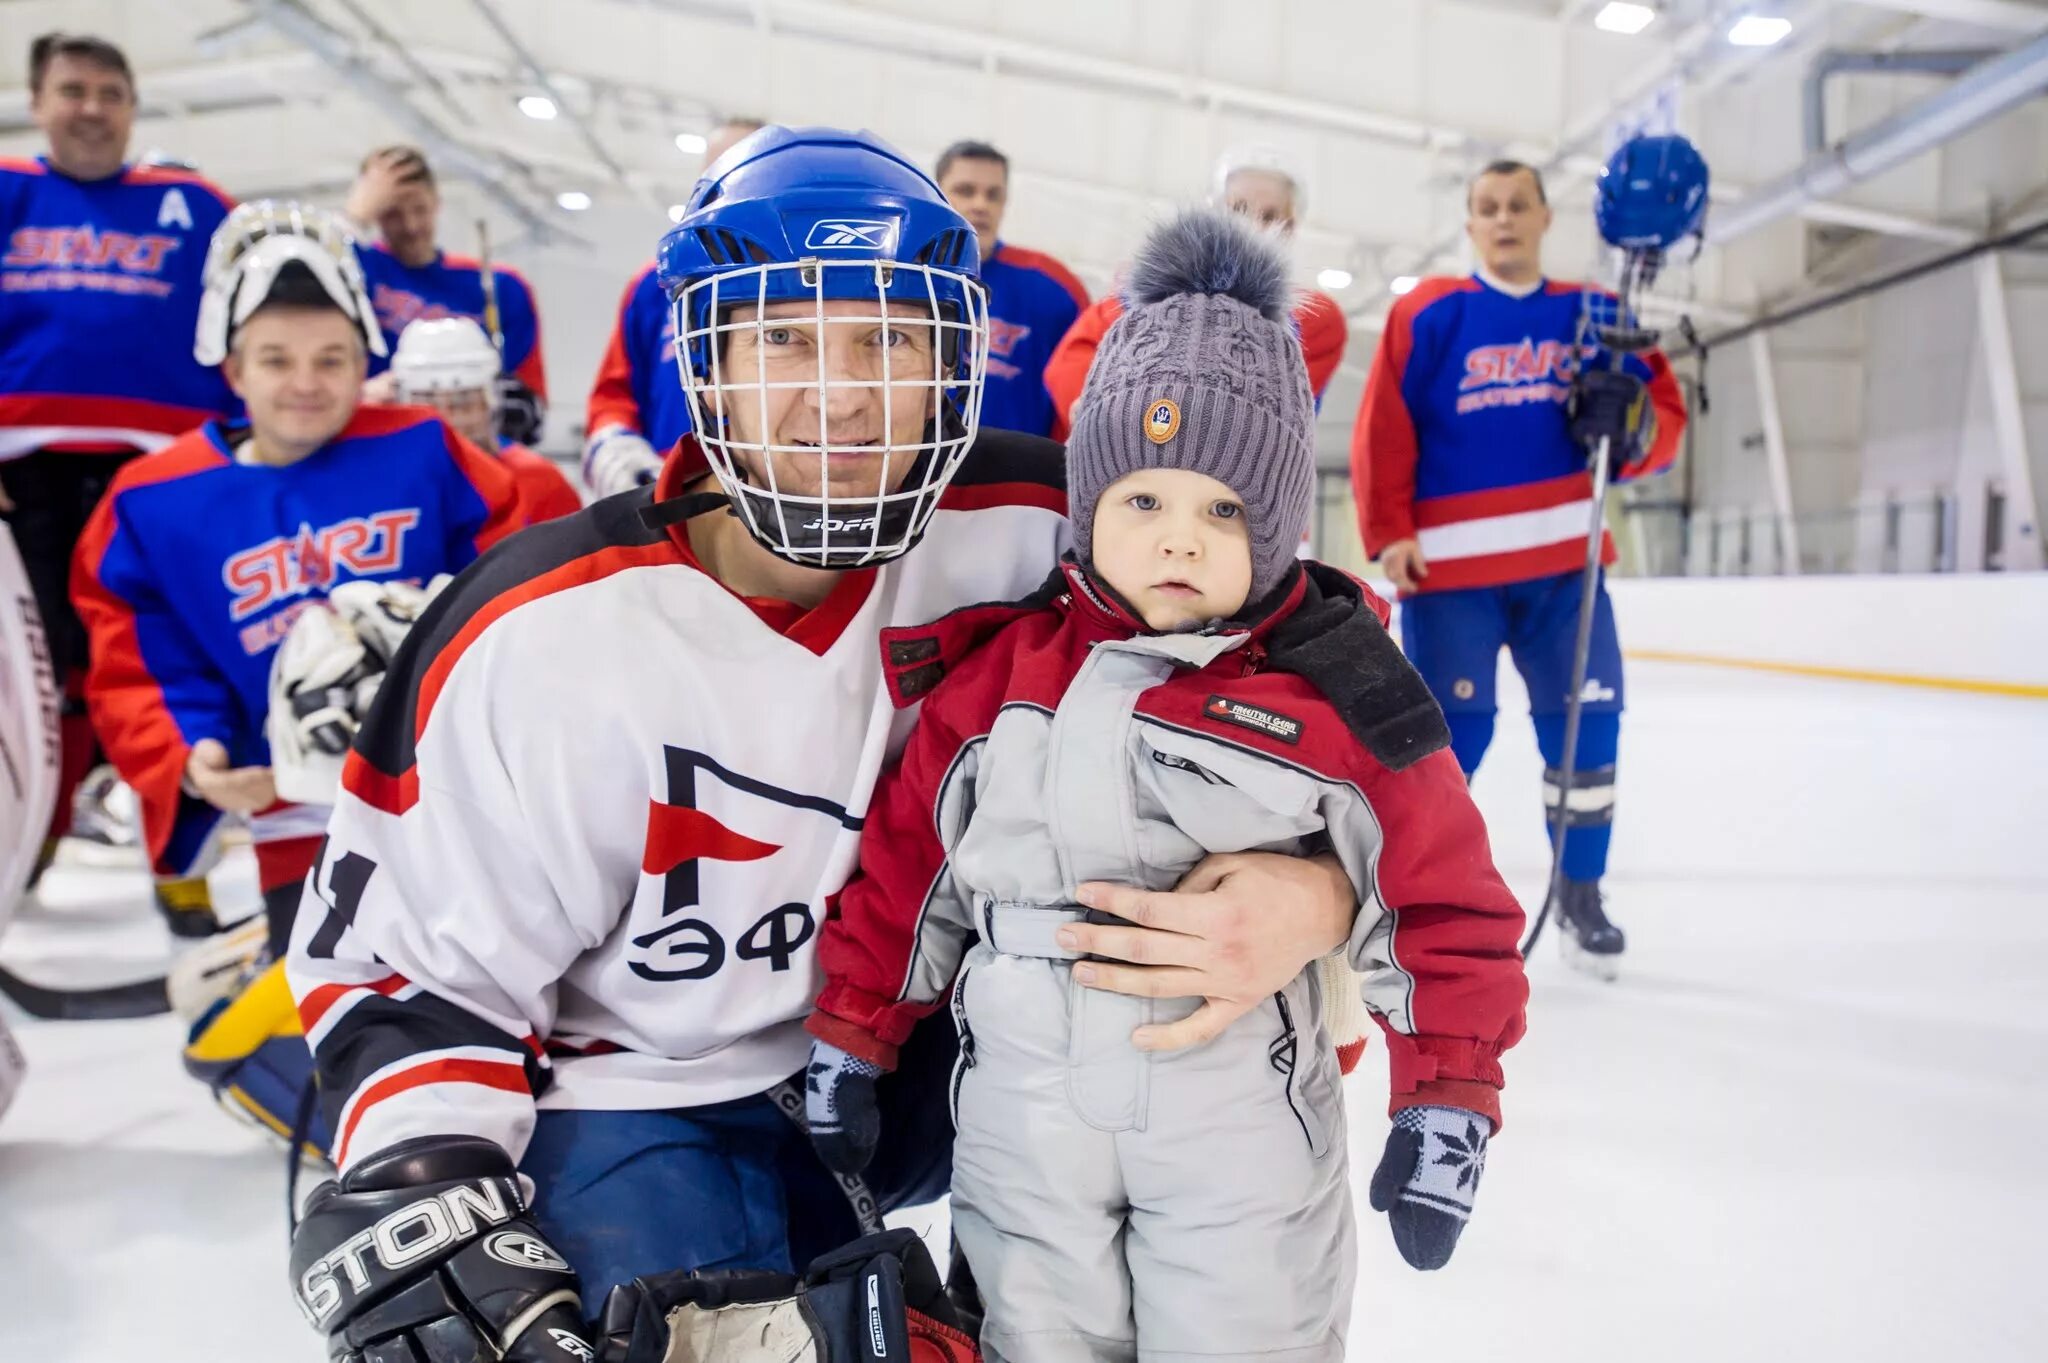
386 739
999 456
377 1031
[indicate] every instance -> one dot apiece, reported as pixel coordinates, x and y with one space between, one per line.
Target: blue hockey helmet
1652 193
832 334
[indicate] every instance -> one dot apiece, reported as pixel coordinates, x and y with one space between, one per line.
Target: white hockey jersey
589 834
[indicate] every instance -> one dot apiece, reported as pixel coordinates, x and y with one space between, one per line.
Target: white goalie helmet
253 247
444 355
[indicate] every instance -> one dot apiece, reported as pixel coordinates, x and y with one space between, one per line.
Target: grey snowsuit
1116 1204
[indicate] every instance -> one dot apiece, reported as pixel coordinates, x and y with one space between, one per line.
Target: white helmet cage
837 530
248 251
445 355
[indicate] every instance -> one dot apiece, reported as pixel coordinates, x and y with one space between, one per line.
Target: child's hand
1427 1179
1233 932
839 1104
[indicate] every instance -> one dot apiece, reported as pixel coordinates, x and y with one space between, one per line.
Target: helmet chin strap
675 510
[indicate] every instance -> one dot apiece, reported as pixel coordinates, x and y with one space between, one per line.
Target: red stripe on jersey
982 496
316 1005
506 1075
91 411
676 834
1502 501
1520 565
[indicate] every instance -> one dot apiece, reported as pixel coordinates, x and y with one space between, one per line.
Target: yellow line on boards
2021 690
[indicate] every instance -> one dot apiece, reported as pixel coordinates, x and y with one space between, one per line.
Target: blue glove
839 1105
1427 1179
1616 405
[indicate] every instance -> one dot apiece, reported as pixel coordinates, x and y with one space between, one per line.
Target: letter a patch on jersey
174 211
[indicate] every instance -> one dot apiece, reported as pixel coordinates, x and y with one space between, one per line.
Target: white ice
1804 1125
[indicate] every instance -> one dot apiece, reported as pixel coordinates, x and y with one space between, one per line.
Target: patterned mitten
839 1104
1427 1179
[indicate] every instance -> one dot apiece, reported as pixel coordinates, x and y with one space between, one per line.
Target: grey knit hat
1203 372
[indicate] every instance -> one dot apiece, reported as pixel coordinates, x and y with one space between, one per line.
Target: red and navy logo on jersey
83 257
681 836
1517 373
283 567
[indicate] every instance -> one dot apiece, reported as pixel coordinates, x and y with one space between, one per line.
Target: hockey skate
1590 941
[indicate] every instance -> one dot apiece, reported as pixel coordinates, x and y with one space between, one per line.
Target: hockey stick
141 999
1575 702
493 321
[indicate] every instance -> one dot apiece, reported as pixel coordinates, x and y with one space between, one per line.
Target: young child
1181 687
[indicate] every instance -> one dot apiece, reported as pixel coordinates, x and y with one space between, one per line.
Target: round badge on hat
1162 419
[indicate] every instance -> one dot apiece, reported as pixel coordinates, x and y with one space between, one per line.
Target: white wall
1986 627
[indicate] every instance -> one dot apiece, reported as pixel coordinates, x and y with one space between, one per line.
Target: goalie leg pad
251 1052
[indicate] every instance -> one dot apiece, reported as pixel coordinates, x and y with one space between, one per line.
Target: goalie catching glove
325 676
424 1253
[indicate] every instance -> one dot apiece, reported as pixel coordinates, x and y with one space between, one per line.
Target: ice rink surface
1805 1125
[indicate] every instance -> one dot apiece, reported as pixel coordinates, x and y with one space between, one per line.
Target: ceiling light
537 106
1402 284
677 212
1619 16
1334 279
691 144
575 200
1759 30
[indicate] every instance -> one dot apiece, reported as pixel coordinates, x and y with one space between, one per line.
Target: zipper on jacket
1254 658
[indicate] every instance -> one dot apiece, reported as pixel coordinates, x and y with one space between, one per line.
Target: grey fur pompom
1210 251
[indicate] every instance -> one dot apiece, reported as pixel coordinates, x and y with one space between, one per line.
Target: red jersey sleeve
503 511
1383 448
1667 400
1324 334
1067 371
612 404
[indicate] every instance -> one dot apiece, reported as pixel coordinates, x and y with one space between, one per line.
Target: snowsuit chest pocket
1195 796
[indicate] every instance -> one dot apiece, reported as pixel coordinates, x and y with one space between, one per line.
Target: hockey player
1180 687
566 922
1256 183
1033 300
410 277
448 364
637 410
193 568
1468 463
99 265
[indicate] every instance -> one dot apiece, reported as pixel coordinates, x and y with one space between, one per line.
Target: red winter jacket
1095 750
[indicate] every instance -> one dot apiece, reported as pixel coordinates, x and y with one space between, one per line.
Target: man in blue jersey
412 278
1469 466
1032 298
637 409
100 266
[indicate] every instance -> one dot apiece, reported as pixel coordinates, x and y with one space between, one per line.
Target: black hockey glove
1427 1179
423 1253
839 1105
521 411
1613 404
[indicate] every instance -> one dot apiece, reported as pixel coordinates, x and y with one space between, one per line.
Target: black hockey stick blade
141 999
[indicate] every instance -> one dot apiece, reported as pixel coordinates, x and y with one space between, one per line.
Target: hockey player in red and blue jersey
1469 466
99 284
410 277
194 566
1033 300
637 410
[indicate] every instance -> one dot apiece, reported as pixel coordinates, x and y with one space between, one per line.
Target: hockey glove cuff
839 1105
1427 1179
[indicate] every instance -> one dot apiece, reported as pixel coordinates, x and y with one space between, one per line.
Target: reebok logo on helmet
850 234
